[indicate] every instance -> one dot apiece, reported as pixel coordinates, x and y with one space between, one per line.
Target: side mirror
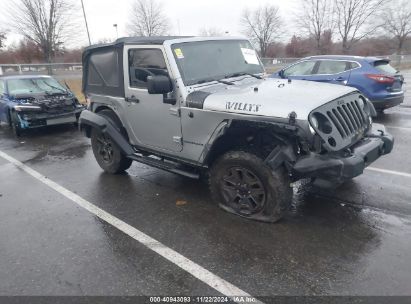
159 84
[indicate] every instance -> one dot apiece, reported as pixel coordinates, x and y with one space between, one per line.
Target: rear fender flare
90 120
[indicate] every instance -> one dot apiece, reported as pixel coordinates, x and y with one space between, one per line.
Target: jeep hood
272 97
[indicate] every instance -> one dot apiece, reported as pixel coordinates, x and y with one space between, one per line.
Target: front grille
341 122
58 109
348 118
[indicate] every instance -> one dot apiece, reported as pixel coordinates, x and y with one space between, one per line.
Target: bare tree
47 23
2 39
353 20
148 19
316 18
397 21
211 32
262 25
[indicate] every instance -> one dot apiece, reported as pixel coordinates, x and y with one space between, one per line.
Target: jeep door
153 123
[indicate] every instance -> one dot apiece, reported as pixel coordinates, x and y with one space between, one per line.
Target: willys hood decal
274 97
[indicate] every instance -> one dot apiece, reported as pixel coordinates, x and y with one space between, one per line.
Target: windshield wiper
212 79
56 88
243 74
225 82
203 81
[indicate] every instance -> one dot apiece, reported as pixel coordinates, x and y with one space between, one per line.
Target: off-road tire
14 124
111 160
274 186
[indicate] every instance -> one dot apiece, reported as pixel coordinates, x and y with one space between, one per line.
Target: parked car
374 77
28 101
200 106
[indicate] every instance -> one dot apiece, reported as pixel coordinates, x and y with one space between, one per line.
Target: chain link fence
75 69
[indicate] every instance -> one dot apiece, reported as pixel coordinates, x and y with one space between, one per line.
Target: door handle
132 99
342 80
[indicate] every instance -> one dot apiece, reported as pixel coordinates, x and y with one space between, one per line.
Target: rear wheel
106 152
242 184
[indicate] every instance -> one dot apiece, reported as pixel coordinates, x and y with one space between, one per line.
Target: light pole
115 25
85 20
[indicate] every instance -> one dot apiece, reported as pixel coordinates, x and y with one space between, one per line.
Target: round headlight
320 122
314 122
361 103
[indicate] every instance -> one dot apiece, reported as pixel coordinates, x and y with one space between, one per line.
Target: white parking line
191 267
389 171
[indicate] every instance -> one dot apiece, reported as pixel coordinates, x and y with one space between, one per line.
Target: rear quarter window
104 69
354 65
384 66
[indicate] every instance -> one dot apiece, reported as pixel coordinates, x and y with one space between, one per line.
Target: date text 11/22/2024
202 299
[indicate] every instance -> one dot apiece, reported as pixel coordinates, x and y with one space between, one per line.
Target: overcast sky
187 17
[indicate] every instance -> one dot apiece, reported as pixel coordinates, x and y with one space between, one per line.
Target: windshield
204 61
34 85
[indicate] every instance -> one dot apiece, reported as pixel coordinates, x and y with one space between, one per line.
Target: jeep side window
300 69
143 63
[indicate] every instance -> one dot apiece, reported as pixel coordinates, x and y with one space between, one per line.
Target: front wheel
242 184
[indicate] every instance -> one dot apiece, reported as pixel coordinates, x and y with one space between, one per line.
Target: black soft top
155 40
103 64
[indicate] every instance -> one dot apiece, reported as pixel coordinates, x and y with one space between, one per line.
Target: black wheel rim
105 148
243 191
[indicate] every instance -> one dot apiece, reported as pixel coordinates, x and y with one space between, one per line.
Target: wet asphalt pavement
351 241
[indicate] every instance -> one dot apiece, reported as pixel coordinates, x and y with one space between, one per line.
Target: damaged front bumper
331 169
30 118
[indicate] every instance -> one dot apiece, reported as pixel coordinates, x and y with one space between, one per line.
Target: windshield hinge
175 112
178 140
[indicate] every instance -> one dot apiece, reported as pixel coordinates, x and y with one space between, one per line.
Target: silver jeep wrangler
195 106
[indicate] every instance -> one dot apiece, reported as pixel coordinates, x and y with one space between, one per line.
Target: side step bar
166 166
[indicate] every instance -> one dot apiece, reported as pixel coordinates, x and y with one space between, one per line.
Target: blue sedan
374 77
34 101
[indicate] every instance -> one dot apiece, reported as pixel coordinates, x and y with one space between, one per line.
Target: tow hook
382 132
